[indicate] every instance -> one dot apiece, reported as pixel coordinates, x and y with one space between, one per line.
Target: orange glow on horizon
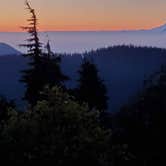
58 27
17 28
87 15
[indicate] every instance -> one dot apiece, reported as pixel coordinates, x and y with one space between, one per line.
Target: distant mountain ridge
6 49
161 28
123 69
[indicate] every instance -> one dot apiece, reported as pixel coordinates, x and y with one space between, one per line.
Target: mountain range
6 49
123 69
161 28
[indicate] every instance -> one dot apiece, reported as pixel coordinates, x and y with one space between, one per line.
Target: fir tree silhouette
91 88
44 68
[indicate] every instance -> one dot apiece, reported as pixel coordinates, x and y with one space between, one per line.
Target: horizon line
109 30
40 29
86 30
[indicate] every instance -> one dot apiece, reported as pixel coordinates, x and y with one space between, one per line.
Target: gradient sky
85 14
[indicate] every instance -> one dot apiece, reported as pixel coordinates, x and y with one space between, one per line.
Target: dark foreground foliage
142 125
61 131
57 131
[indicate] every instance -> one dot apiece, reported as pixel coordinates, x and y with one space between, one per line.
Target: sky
78 15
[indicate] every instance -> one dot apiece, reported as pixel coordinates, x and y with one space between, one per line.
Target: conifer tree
44 68
91 88
34 45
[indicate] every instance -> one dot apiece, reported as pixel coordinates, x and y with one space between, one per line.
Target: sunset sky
71 15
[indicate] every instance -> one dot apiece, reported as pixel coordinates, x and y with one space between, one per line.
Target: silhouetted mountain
6 49
161 28
10 74
123 68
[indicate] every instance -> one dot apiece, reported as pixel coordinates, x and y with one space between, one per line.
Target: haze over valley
79 42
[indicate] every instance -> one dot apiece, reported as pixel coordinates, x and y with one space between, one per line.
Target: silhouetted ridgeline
123 68
6 49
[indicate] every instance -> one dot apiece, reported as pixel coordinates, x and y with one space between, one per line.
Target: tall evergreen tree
34 45
44 68
91 88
